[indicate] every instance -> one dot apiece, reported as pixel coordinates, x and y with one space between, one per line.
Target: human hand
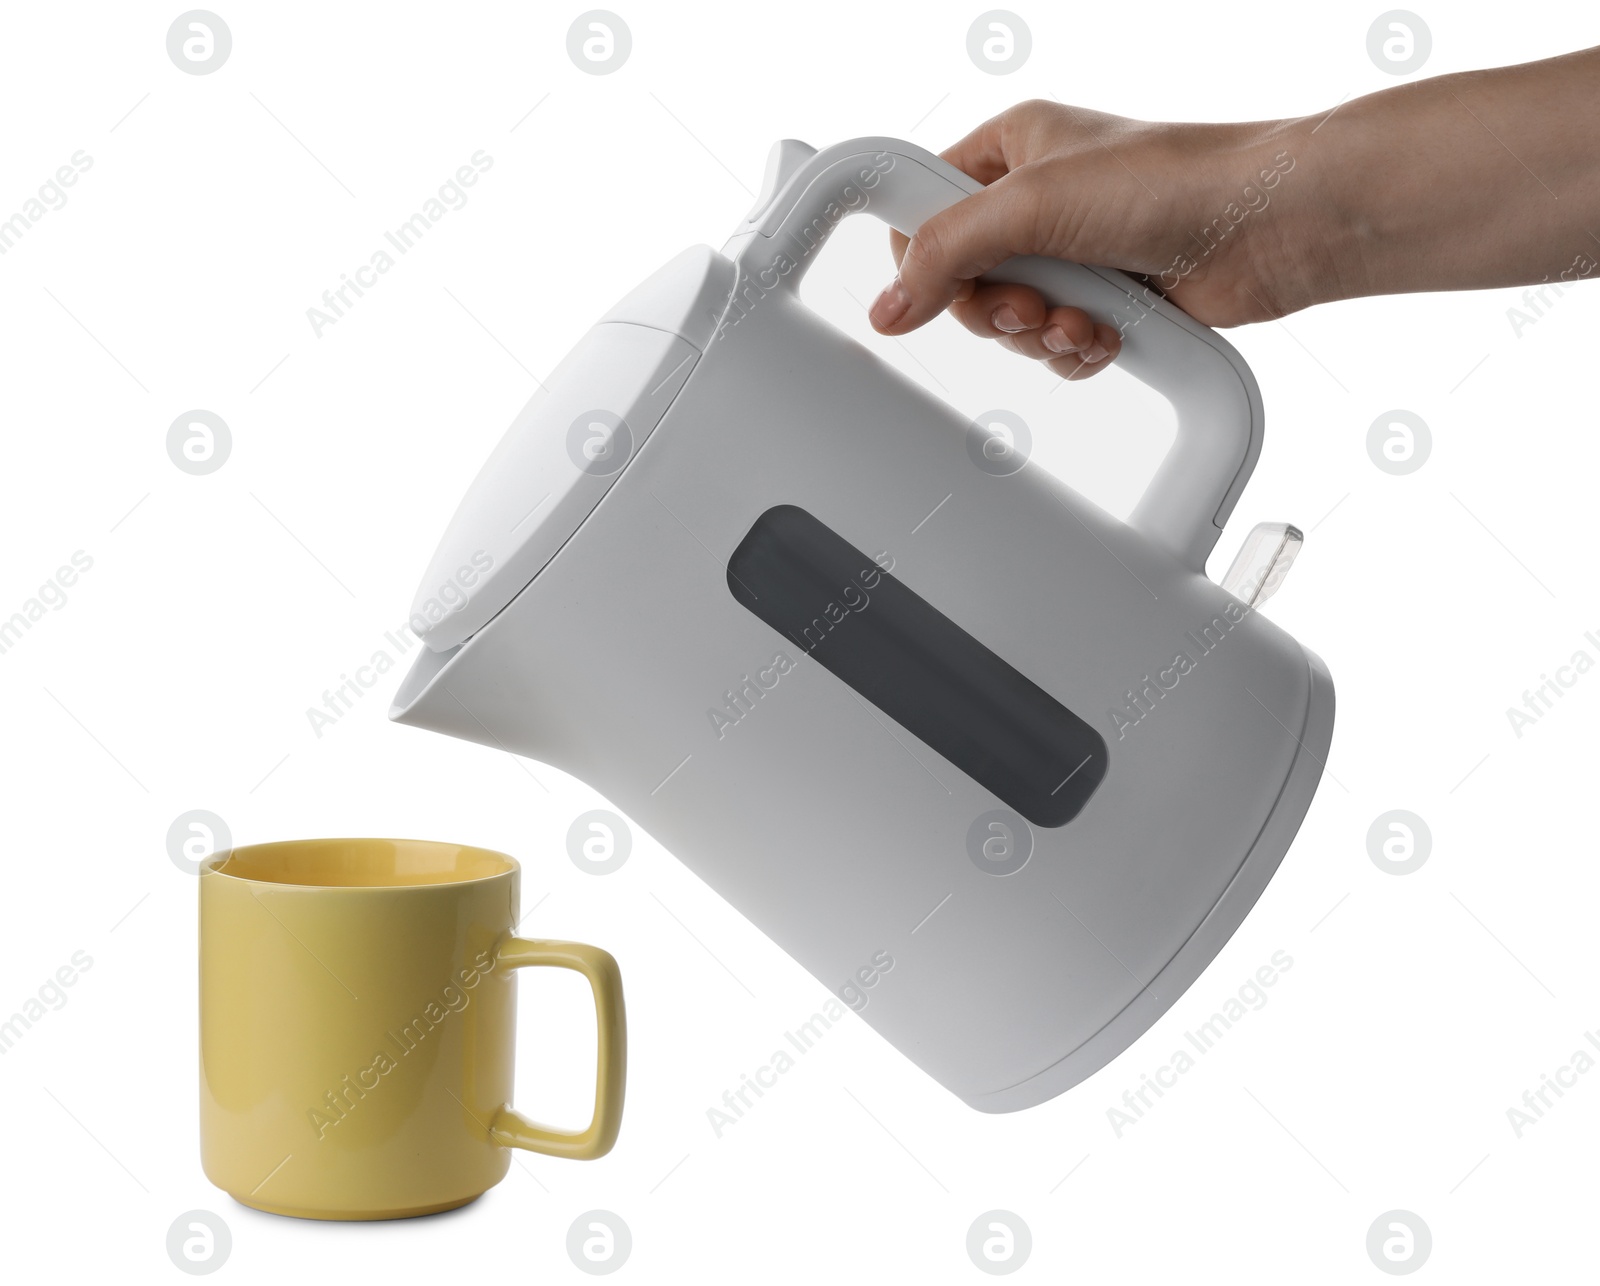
1182 206
1469 181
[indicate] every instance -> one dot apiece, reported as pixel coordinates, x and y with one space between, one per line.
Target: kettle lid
568 445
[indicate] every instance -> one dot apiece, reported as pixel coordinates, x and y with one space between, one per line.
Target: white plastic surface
531 495
785 158
1212 390
685 297
838 833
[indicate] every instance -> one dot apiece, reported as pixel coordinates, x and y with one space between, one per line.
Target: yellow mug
357 1027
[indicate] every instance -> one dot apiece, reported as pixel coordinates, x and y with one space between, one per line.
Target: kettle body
893 693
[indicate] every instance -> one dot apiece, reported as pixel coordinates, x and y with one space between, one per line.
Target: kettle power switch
1264 560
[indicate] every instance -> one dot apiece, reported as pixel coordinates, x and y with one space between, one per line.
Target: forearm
1483 179
1462 182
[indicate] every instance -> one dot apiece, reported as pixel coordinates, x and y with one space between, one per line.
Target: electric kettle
1002 771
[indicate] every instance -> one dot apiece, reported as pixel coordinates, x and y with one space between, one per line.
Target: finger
982 153
1090 346
1100 354
1062 332
897 247
999 310
954 246
1004 142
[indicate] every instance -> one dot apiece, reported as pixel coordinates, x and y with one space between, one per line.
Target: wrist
1276 247
1309 250
1354 204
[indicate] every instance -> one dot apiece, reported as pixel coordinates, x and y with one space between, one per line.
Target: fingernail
1095 353
890 305
1005 318
1055 339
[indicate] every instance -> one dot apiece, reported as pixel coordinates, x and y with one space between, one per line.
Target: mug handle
510 1128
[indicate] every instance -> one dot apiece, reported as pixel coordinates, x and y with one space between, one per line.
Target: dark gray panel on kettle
917 665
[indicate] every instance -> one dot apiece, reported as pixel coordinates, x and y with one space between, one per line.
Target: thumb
938 263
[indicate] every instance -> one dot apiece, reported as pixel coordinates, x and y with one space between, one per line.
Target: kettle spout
424 700
469 691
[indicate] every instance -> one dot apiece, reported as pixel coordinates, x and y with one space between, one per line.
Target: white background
177 675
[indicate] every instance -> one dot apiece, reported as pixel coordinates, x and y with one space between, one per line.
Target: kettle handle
1212 390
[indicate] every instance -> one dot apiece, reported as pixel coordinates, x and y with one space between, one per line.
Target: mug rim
390 881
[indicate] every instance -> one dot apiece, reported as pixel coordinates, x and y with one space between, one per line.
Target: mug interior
361 863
